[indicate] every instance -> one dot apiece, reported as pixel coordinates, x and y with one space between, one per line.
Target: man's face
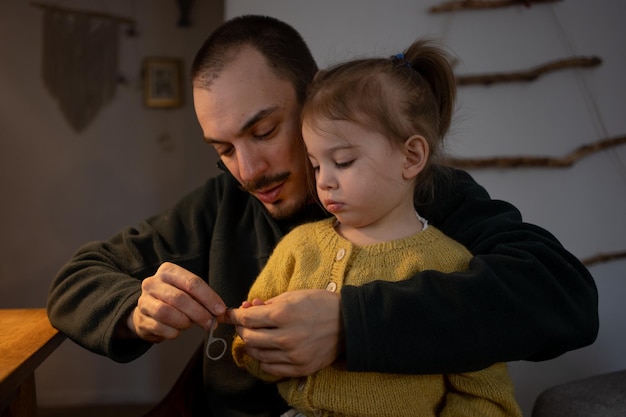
252 119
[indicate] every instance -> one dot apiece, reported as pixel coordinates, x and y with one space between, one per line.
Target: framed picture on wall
162 82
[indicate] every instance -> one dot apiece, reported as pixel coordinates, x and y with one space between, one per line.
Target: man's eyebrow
260 115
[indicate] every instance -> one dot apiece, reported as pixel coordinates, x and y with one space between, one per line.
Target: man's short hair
281 45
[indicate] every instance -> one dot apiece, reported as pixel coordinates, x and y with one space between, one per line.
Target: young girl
373 130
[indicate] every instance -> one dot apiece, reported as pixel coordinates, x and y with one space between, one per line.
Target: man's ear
416 153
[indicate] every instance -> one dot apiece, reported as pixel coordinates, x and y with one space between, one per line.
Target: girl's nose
325 179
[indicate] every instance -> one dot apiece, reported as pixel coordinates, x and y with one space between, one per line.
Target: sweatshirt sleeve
524 296
98 287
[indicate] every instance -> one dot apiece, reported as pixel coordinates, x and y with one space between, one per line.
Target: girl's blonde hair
408 94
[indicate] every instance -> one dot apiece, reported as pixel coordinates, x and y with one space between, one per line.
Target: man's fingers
261 316
172 300
151 329
293 334
283 364
155 306
189 294
268 356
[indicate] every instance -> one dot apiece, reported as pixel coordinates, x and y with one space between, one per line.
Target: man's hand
173 300
293 334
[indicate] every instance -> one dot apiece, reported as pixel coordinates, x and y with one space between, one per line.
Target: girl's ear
416 153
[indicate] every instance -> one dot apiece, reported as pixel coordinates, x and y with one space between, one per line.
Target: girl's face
360 176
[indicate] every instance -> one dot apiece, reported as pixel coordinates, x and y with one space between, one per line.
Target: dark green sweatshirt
524 298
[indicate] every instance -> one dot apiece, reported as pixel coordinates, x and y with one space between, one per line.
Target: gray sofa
598 396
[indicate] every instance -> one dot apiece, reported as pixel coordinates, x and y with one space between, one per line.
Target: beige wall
61 188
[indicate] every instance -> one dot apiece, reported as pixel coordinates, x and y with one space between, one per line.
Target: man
528 297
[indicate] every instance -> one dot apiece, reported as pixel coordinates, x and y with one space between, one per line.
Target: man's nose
251 164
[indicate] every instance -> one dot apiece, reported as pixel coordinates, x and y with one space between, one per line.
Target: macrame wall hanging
80 60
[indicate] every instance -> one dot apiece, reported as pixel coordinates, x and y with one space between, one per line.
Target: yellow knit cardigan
315 256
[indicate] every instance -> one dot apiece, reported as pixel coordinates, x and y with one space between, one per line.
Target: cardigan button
332 287
340 254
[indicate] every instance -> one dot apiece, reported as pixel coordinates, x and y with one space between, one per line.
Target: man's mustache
264 182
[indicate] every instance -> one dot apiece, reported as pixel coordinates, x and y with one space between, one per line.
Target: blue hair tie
400 57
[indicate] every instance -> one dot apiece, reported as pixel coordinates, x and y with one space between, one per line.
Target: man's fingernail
208 325
219 309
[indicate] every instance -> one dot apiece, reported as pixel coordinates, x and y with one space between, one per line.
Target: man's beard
264 182
287 209
280 209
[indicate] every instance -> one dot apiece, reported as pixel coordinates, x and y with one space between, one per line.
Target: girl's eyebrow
334 149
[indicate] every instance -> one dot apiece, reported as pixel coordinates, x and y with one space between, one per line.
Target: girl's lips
270 195
333 206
